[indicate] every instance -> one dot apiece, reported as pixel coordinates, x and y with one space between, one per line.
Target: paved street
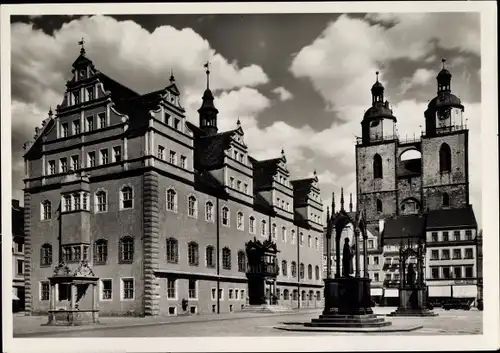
448 322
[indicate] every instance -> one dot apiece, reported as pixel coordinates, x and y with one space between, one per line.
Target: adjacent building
419 189
160 207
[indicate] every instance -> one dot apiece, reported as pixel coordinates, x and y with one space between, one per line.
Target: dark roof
209 150
443 74
301 188
137 108
206 182
264 171
403 227
444 100
379 110
451 218
410 167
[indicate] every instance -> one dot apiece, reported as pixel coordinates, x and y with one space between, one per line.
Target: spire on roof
333 202
81 43
50 112
238 122
341 199
172 78
350 202
207 65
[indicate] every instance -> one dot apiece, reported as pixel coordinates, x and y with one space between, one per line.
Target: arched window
446 200
101 201
171 200
301 239
309 241
309 271
293 237
379 205
210 256
286 294
251 225
225 216
263 228
311 295
127 197
126 249
242 266
209 211
445 158
294 269
193 256
226 258
302 270
100 251
46 210
295 295
284 268
283 234
316 243
303 295
274 230
46 255
172 251
316 270
192 206
377 167
239 221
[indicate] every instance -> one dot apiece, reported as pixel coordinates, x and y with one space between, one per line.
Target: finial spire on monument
350 202
341 199
333 202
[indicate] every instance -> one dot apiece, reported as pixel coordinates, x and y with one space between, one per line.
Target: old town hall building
160 208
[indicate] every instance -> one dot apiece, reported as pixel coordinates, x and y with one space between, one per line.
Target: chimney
381 225
15 204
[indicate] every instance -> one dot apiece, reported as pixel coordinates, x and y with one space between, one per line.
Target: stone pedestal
412 302
347 304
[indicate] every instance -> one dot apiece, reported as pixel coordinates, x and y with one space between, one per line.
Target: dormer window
90 93
177 124
64 130
76 97
166 118
82 74
102 120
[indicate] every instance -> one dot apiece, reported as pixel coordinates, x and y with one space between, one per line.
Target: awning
467 291
391 293
439 291
14 295
376 292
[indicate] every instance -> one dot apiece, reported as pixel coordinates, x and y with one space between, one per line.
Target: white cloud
421 77
283 93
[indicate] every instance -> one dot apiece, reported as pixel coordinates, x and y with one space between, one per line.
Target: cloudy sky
296 81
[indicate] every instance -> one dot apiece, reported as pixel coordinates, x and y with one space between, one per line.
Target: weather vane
207 65
81 43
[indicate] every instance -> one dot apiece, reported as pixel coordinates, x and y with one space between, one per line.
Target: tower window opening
379 205
445 158
446 200
377 167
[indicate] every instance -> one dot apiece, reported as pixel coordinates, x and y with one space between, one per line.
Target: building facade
414 183
17 256
161 208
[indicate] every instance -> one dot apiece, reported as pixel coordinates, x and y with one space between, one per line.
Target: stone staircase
266 308
335 320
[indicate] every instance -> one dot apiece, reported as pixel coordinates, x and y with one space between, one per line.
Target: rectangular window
76 97
192 294
102 120
161 152
370 244
221 294
245 188
446 255
63 165
90 93
166 117
469 272
457 272
128 288
90 123
242 294
104 156
177 124
106 289
184 162
171 288
435 273
117 154
52 167
76 201
20 267
67 202
64 130
376 277
375 260
445 236
446 272
44 291
75 165
457 254
468 253
230 294
468 235
434 236
91 159
214 291
173 157
76 127
435 255
456 235
19 247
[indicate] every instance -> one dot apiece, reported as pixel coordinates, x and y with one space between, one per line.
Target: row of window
456 236
239 185
172 121
452 273
457 254
76 128
232 294
293 268
283 204
444 162
127 290
91 161
237 156
172 157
